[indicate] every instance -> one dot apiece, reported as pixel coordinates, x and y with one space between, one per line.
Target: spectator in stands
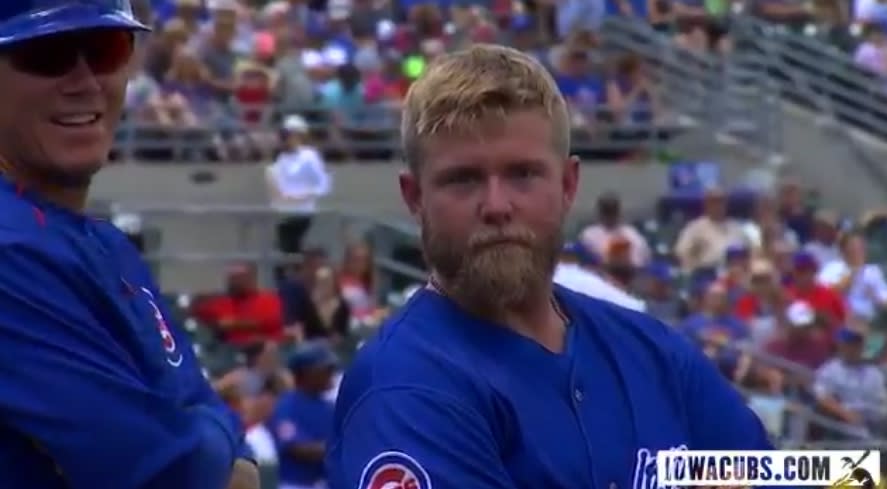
767 226
302 421
332 308
735 274
294 288
826 302
781 254
583 90
871 53
870 12
191 13
660 295
244 314
184 100
262 365
704 241
296 180
216 53
660 14
387 86
254 83
851 390
163 46
861 283
762 305
823 244
803 338
358 279
631 97
795 211
718 331
578 270
599 237
700 25
295 91
342 98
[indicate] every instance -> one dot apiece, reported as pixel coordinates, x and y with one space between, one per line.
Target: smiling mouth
84 119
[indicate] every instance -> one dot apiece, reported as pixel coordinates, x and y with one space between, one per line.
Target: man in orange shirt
245 314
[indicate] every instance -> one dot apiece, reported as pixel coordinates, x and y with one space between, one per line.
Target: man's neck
539 319
70 198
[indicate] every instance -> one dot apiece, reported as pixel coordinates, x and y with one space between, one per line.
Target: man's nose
496 206
80 79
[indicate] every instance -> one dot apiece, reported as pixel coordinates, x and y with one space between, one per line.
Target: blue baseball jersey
99 389
300 418
442 399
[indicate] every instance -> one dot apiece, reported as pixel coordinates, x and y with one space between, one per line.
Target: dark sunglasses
104 51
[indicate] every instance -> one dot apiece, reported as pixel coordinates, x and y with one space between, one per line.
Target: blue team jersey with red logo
99 389
300 418
441 399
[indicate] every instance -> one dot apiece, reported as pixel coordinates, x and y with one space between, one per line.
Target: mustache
492 237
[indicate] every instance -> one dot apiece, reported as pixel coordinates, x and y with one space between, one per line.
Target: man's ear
410 191
570 181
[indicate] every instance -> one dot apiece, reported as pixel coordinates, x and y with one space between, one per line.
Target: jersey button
577 394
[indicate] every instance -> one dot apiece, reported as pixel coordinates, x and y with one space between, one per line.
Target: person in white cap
296 180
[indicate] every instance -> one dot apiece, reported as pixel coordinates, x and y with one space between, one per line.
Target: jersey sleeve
70 387
721 420
420 437
197 389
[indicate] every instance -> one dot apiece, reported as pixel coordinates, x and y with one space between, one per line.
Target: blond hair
460 89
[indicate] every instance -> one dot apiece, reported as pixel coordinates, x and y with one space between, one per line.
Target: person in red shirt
827 303
802 340
245 314
763 303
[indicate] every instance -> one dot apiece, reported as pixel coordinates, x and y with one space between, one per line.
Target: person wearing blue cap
100 389
850 389
303 418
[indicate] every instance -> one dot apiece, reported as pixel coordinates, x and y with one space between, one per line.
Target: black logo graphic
856 475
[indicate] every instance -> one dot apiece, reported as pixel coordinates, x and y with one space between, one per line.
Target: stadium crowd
786 298
236 69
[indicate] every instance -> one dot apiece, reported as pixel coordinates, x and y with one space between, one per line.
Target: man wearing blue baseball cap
852 390
99 389
303 418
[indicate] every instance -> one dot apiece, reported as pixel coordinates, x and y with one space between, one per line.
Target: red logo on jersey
173 357
394 470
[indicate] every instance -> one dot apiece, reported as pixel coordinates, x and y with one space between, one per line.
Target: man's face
60 106
491 206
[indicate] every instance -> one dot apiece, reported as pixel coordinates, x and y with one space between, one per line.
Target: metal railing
816 74
729 97
375 133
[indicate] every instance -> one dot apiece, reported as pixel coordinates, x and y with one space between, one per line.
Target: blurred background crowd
255 119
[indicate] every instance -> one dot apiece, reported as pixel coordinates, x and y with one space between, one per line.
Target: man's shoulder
410 352
620 325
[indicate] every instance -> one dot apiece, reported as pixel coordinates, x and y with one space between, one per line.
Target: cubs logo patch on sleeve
394 470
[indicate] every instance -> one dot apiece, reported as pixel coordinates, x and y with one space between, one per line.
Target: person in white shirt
862 284
703 241
296 180
824 243
611 228
576 272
